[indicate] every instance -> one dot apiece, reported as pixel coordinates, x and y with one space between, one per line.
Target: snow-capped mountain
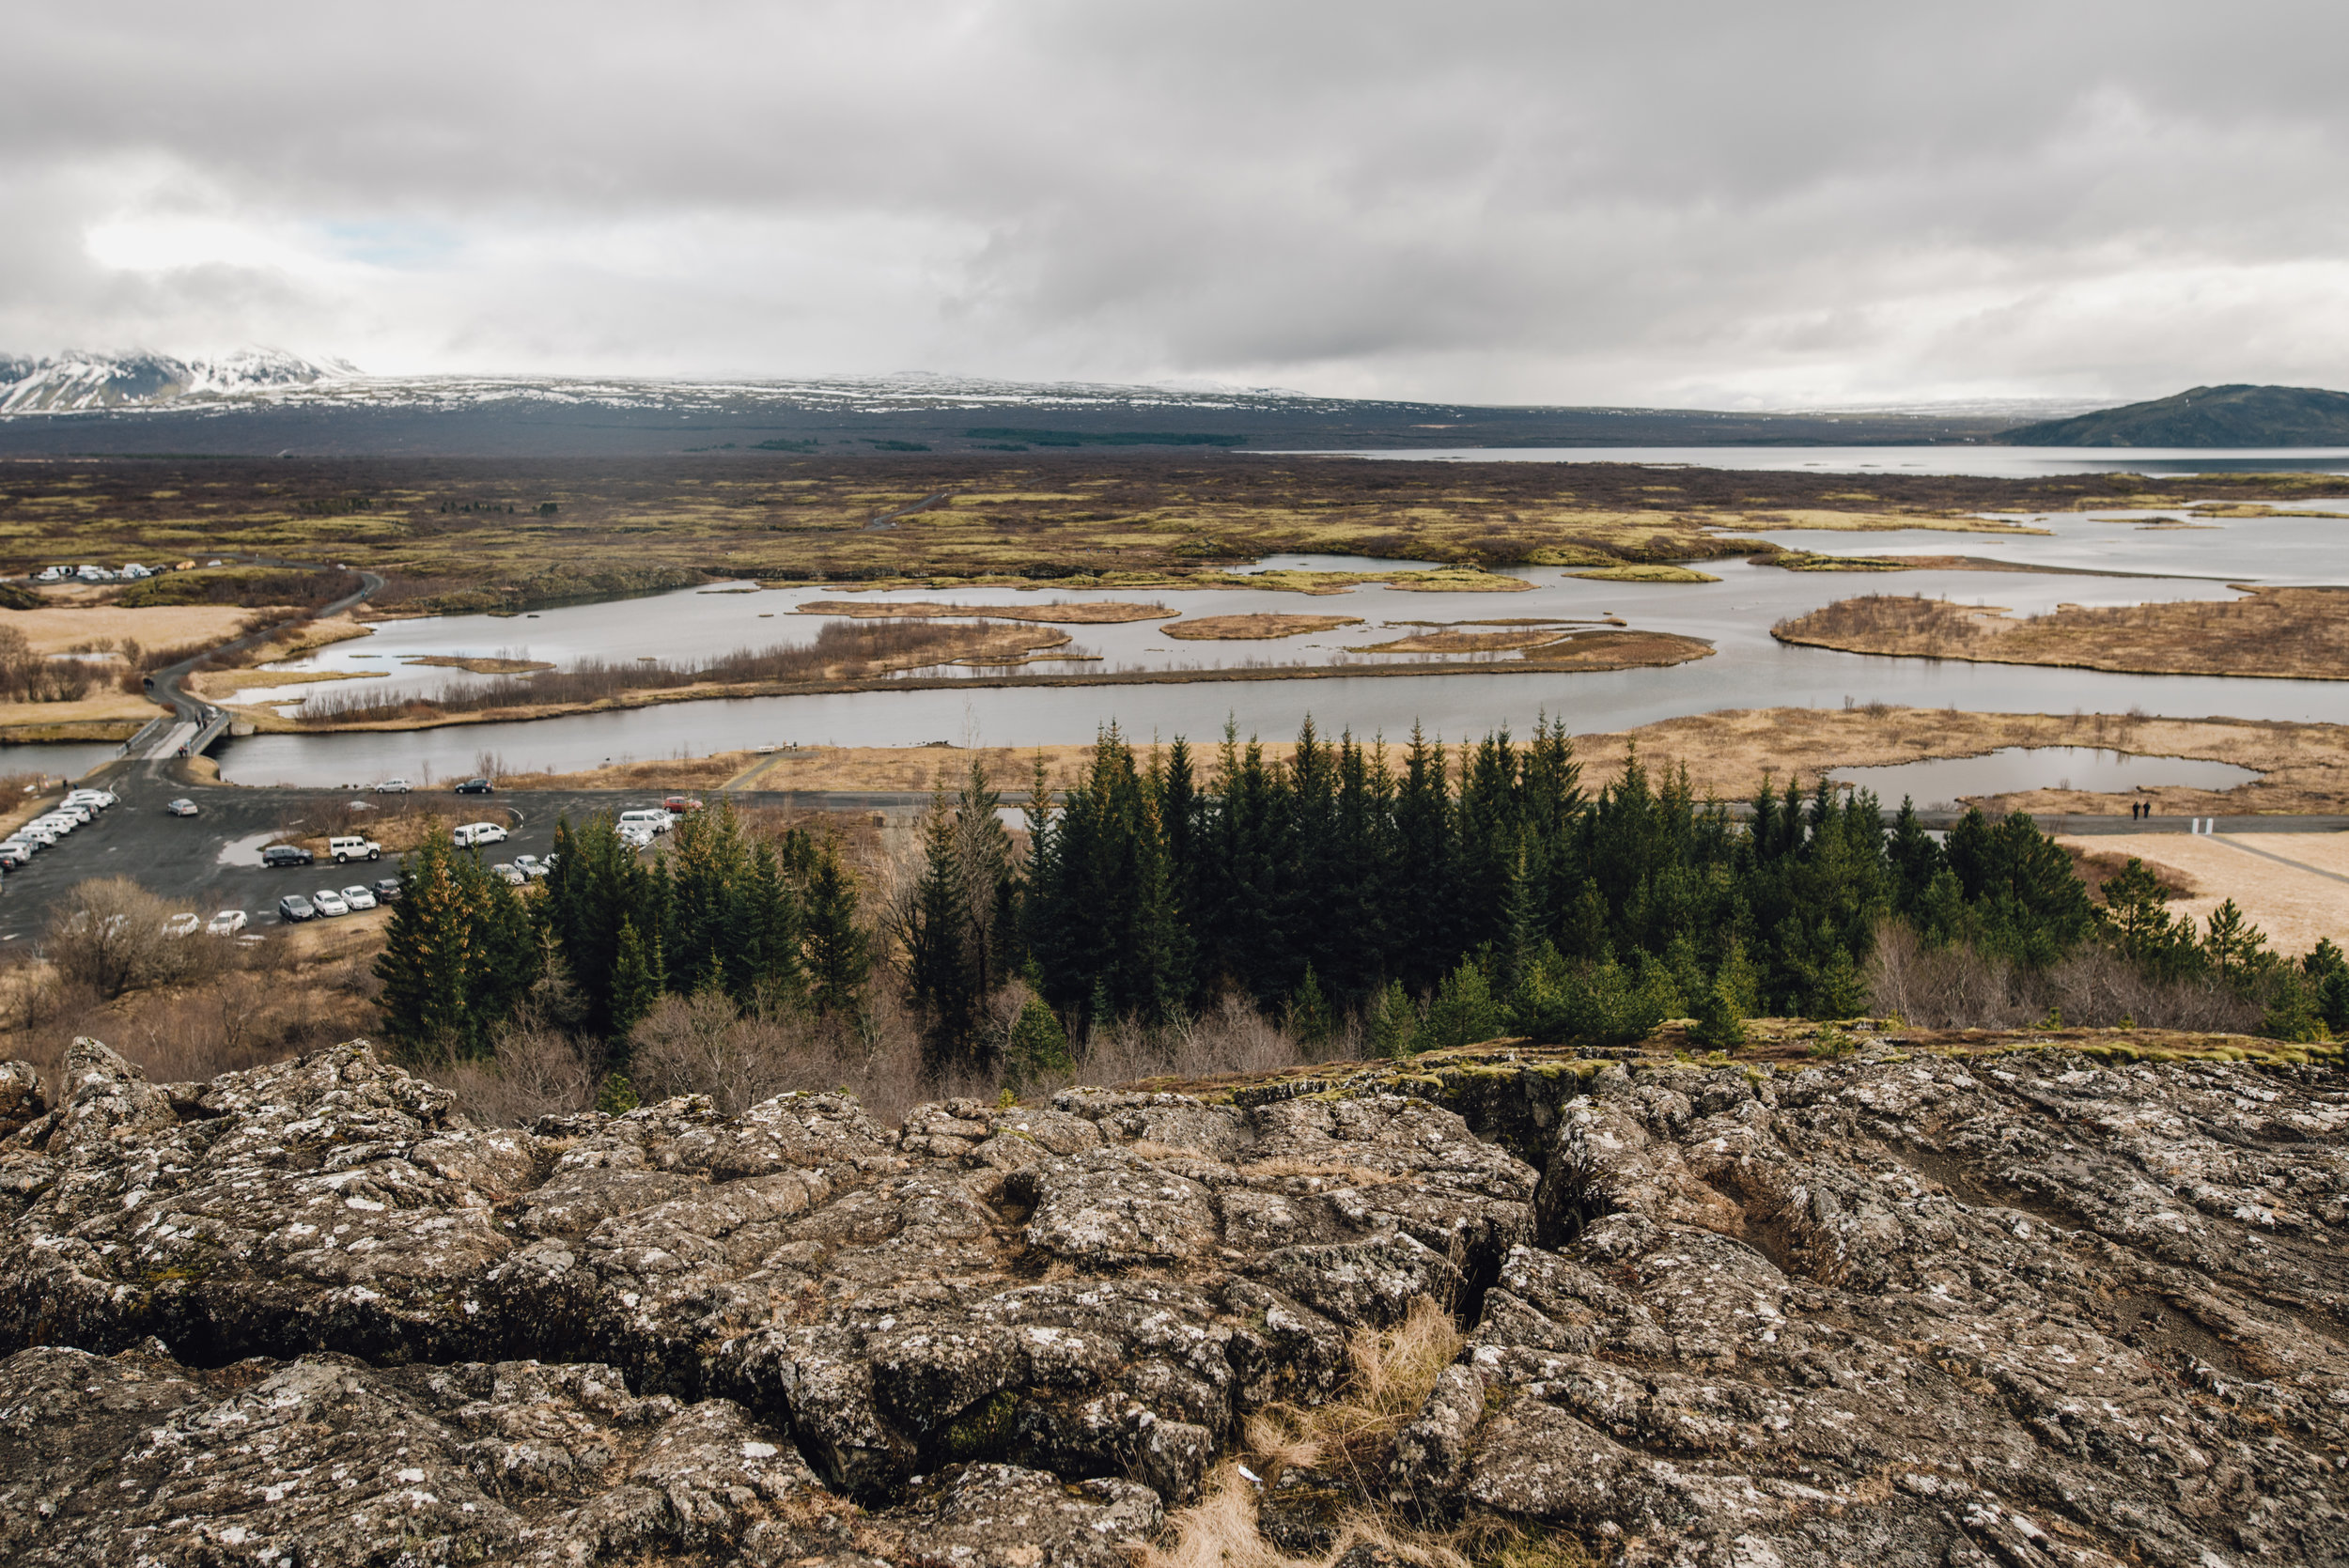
76 381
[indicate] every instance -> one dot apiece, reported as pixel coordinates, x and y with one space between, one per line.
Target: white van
649 819
474 833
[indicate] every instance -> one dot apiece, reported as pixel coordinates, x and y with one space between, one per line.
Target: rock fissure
2033 1308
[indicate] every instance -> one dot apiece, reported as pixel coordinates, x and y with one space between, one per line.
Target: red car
680 802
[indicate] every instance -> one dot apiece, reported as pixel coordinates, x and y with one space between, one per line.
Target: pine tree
637 982
837 953
1038 1047
1393 1021
1307 1014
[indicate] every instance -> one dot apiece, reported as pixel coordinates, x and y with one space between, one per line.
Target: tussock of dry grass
1220 1532
1391 1374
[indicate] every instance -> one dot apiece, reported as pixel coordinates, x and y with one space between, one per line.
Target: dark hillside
2206 417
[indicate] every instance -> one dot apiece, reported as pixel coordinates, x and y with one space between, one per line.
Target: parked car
677 804
506 872
98 799
182 926
532 866
294 906
474 833
36 835
225 923
476 786
286 854
387 890
14 854
182 807
358 896
328 902
394 786
651 818
352 848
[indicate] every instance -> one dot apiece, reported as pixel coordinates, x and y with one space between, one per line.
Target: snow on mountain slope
77 382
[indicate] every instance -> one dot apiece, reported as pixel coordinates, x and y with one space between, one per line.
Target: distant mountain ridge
79 382
2204 416
263 401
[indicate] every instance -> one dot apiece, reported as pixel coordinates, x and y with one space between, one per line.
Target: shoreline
1687 649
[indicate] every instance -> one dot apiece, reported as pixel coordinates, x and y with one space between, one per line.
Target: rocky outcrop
2019 1307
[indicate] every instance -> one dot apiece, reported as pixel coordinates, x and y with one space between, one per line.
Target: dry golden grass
1729 753
220 685
480 666
2297 905
1391 1371
1243 629
74 625
1468 642
103 715
302 637
1220 1532
2296 632
1095 612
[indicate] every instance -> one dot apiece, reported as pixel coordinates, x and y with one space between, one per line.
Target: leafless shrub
1958 987
703 1044
1231 1037
537 1072
108 933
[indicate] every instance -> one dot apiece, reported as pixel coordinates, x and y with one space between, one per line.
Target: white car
650 818
326 901
474 833
394 786
358 897
97 800
37 837
225 923
532 867
506 873
182 926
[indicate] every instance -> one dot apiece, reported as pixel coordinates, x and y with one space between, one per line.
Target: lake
2164 560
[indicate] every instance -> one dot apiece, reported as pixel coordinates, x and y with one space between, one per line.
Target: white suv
354 847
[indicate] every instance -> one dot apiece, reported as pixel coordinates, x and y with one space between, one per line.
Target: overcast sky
1728 204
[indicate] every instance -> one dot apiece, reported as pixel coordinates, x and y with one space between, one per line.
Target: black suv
286 854
476 786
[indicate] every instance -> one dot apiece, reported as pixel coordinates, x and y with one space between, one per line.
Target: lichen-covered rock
2020 1307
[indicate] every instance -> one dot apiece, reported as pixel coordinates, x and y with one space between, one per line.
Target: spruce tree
835 949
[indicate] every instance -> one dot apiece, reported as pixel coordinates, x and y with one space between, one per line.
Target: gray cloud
1668 202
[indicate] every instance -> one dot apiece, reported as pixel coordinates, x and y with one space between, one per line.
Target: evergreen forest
1418 896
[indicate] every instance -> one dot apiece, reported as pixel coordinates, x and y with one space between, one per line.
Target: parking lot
211 862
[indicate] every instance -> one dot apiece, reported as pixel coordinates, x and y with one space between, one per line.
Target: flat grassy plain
498 535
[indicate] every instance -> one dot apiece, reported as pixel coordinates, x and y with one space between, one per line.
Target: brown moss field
1247 628
478 533
2298 633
